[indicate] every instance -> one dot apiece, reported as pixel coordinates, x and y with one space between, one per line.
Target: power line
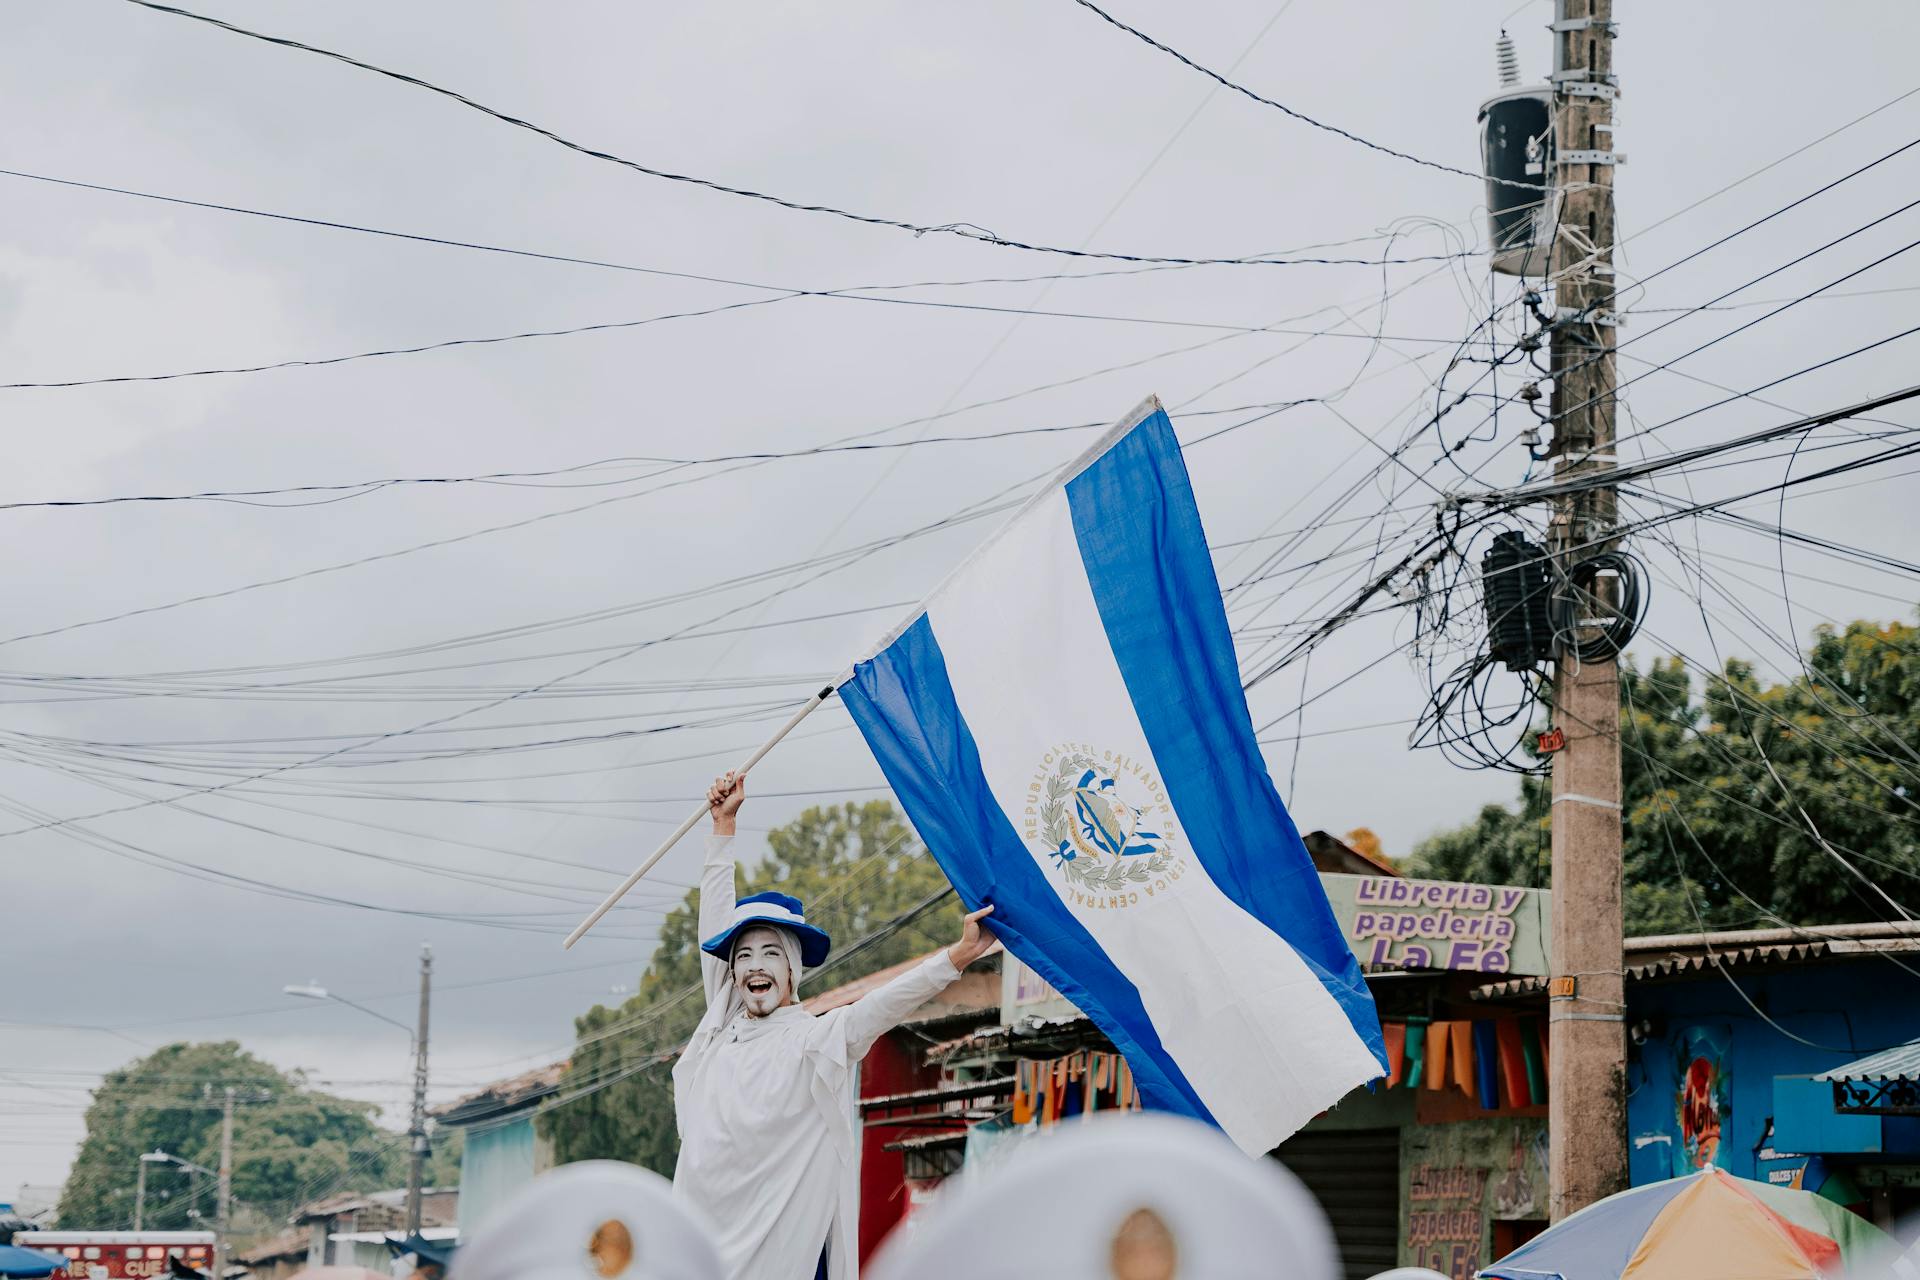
447 344
968 231
851 292
1301 116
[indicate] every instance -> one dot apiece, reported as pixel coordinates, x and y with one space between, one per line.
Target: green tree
856 866
1746 803
290 1143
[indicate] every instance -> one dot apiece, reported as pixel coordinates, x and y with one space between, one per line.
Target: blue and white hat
777 909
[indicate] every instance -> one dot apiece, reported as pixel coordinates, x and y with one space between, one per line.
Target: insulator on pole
1507 60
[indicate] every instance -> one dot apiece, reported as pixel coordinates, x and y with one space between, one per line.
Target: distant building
350 1230
502 1151
1331 853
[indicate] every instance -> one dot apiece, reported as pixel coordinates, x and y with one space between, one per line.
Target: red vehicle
122 1255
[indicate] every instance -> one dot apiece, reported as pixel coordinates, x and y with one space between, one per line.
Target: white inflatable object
596 1220
1126 1197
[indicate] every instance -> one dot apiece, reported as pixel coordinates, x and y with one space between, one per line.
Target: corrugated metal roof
1899 1063
1648 966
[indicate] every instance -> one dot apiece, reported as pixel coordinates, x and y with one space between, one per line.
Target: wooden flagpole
1145 409
693 819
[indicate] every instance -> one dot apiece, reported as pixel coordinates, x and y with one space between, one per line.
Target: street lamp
155 1156
314 991
417 1126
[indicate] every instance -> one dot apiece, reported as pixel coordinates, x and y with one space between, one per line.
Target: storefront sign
1392 922
1025 994
1472 1190
1445 1222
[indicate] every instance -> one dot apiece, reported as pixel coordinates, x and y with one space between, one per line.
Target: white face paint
760 971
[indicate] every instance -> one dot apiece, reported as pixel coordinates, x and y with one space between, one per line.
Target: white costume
769 1137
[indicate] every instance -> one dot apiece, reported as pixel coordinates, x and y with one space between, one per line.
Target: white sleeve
716 909
881 1010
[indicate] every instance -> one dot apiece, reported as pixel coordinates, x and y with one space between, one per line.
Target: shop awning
1881 1084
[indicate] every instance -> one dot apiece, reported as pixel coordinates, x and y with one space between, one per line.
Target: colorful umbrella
1706 1226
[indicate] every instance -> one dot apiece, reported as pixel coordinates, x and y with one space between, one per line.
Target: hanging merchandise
1395 1036
1513 1063
1531 1048
1439 1041
1078 1084
1416 1046
1461 1050
1486 1065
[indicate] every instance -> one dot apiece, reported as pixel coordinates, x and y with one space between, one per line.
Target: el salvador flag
1064 723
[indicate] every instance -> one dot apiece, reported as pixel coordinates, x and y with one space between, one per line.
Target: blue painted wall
496 1162
1868 1004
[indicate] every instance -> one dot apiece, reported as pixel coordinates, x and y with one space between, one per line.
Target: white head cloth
725 1010
1126 1197
596 1220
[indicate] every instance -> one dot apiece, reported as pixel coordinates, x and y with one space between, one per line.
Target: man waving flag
1064 723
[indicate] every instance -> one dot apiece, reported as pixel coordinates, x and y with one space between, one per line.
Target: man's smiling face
760 971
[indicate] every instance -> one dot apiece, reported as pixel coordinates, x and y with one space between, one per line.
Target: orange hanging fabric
1395 1035
1460 1049
1439 1037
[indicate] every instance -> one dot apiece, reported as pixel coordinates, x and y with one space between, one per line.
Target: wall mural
1703 1103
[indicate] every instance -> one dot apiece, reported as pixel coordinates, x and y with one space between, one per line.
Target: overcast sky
1034 120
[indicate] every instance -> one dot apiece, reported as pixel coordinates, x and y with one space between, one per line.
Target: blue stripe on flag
904 690
1146 559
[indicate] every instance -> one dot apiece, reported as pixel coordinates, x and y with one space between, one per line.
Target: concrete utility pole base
1586 1090
1586 1076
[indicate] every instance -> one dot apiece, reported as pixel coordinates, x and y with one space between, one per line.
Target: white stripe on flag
1249 1024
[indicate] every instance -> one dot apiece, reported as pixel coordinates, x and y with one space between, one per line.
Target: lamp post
314 991
156 1156
417 1122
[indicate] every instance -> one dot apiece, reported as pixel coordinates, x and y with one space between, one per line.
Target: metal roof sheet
1899 1063
1648 964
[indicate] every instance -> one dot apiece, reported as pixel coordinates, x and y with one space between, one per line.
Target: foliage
290 1143
855 866
1363 840
1728 788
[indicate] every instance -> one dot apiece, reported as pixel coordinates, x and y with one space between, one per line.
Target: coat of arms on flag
1063 722
1090 828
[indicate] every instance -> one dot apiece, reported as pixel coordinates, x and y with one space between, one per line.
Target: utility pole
140 1197
417 1130
222 1219
1586 1091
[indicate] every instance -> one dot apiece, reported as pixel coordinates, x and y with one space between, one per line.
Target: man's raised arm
724 798
883 1009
